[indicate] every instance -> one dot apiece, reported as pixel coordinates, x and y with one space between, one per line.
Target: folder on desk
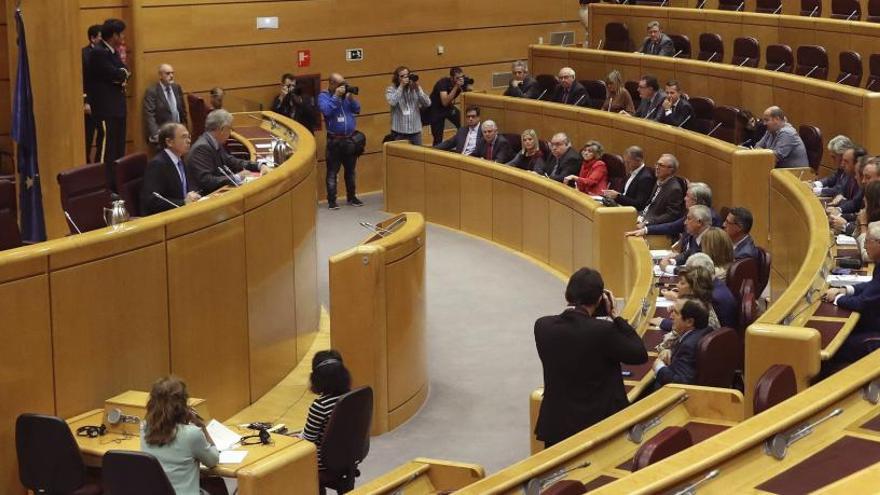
223 437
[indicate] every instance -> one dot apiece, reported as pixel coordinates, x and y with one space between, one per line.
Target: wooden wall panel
211 262
308 308
405 331
118 305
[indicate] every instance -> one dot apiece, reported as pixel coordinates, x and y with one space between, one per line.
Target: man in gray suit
782 138
163 103
657 43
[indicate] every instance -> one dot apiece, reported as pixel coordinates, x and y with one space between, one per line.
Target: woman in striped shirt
330 380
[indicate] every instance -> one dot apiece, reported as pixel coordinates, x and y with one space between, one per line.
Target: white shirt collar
174 158
737 243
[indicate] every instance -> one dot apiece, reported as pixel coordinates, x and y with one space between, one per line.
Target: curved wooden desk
840 455
789 7
222 293
792 30
834 108
738 176
377 317
422 476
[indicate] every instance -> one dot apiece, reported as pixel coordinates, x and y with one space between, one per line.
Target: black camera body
414 77
352 89
468 80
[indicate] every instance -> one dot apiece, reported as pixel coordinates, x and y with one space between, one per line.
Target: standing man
443 108
163 103
91 125
165 174
406 99
782 138
657 43
291 102
108 76
522 85
340 106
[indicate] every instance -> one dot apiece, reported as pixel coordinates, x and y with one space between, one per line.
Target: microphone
652 111
814 11
744 61
69 219
163 198
844 78
599 46
871 84
375 228
714 129
711 56
663 3
780 66
542 94
854 12
579 99
702 4
778 9
811 71
744 143
683 122
228 177
116 416
740 6
677 53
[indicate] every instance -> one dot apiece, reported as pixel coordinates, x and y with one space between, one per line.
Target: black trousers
113 148
438 122
341 154
94 138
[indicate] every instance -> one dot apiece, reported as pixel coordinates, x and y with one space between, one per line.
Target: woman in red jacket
594 173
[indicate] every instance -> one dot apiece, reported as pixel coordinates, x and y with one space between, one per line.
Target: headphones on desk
91 431
263 437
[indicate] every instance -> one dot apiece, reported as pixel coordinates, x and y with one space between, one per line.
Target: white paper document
844 280
263 145
662 302
659 254
845 240
232 456
223 437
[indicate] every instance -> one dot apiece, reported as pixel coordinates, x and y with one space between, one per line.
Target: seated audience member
530 156
209 166
651 98
522 85
639 182
837 146
738 224
667 199
563 160
691 322
619 99
657 42
405 99
494 147
468 137
718 246
291 102
868 215
698 193
675 109
176 436
581 351
568 91
723 302
593 176
848 192
330 380
868 171
697 222
864 298
165 174
216 98
783 139
694 281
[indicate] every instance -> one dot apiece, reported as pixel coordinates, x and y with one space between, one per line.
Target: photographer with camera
406 99
339 105
443 97
581 351
291 102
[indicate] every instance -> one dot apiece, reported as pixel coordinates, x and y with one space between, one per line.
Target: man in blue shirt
339 106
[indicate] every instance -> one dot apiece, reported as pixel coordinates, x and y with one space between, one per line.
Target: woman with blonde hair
618 98
530 156
717 244
176 436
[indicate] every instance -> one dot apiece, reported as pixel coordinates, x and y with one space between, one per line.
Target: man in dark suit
209 166
639 183
92 128
163 103
494 147
568 91
696 223
651 98
581 351
468 137
522 85
738 224
294 103
864 298
667 198
165 174
690 319
107 78
675 110
563 160
696 193
657 43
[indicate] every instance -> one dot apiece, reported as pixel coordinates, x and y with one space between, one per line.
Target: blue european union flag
24 133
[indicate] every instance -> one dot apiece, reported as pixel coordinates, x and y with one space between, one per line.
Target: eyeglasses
662 165
556 143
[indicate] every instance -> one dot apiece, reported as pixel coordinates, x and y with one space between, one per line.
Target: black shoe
332 205
355 202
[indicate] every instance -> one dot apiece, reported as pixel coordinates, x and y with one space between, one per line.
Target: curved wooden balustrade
835 35
834 108
423 476
839 455
222 293
789 7
377 313
738 176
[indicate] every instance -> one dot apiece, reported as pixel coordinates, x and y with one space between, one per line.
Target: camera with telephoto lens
352 89
468 80
413 77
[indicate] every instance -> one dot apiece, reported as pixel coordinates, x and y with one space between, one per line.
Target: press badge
340 119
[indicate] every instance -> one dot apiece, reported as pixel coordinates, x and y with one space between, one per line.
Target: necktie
565 96
182 173
172 104
489 152
653 197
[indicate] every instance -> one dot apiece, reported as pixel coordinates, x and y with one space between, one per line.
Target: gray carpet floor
482 304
